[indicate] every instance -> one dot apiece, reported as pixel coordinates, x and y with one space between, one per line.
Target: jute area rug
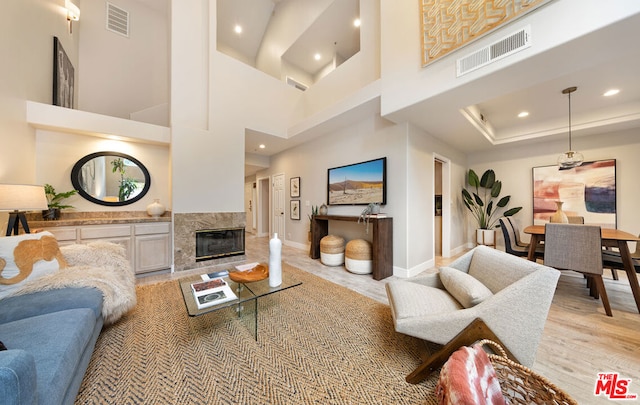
318 343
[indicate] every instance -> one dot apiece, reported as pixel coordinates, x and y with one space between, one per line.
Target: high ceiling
605 59
602 60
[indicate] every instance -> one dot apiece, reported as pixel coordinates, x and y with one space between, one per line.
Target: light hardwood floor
579 340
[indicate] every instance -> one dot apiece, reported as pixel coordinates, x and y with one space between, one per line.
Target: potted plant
371 209
54 202
127 184
481 204
314 212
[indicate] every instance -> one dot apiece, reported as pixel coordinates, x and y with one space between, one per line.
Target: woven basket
332 244
358 249
522 386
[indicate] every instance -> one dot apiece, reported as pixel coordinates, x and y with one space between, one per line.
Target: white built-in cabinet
148 245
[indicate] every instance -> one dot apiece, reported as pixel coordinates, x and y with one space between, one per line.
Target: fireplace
216 243
186 225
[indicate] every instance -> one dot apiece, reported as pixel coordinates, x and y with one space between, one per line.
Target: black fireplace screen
216 243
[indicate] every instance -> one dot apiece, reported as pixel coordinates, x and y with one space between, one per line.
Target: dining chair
512 246
612 260
578 248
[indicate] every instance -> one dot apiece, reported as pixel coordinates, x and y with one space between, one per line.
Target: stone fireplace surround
185 227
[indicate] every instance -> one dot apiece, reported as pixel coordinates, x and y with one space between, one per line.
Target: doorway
442 198
278 205
262 206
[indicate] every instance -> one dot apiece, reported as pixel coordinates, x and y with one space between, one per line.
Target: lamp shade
22 197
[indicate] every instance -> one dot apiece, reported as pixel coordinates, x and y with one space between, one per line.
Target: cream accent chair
514 311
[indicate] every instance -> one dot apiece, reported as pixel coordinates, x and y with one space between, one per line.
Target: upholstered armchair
485 293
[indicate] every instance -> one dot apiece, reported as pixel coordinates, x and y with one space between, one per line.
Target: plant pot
486 237
51 214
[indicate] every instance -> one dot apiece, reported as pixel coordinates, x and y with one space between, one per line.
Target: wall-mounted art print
294 186
588 190
63 76
295 210
446 25
358 184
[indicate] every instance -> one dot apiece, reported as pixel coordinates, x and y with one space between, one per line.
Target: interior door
278 205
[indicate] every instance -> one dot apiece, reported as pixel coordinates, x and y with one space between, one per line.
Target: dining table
610 238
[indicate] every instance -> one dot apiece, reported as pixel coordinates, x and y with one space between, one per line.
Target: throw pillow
27 257
463 287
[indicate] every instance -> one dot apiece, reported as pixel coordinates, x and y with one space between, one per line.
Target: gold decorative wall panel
446 25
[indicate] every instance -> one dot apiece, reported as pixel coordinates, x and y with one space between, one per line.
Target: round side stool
332 250
358 256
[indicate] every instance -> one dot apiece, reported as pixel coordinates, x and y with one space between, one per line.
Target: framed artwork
588 190
294 184
294 212
63 76
447 25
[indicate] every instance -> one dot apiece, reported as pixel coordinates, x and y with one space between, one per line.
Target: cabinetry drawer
102 232
64 234
150 229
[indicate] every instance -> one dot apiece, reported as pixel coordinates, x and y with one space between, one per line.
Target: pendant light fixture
570 158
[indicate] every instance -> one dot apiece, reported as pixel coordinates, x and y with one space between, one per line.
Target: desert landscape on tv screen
357 184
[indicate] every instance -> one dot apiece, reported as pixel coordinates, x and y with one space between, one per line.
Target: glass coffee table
246 304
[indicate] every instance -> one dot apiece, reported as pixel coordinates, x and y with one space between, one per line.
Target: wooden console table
382 243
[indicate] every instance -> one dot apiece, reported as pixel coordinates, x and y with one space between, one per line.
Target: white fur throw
99 264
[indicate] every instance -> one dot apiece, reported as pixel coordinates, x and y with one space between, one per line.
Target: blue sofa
50 336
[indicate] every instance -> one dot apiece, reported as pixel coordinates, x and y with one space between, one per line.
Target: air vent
293 82
117 20
506 46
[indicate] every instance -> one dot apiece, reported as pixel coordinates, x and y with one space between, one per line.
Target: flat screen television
358 184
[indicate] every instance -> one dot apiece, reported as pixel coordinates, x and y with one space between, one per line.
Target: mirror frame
75 172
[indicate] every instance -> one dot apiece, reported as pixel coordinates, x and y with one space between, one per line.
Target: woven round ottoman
358 256
332 250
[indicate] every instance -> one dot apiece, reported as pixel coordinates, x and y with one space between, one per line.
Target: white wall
421 189
290 19
513 166
371 138
121 75
26 73
405 82
354 74
56 153
410 153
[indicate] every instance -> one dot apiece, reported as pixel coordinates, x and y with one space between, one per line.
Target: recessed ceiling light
356 22
262 146
238 29
523 114
317 56
611 92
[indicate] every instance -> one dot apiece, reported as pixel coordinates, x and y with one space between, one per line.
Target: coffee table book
212 292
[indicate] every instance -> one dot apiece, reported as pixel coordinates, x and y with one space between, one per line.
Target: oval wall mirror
110 178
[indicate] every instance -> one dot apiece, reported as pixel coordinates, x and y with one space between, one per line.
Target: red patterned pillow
468 378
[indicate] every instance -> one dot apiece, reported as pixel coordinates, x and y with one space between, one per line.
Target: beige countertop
96 218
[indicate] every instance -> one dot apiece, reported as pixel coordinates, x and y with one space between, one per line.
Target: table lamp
19 198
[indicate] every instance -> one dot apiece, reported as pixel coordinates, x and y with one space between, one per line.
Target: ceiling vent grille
117 20
500 49
298 85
